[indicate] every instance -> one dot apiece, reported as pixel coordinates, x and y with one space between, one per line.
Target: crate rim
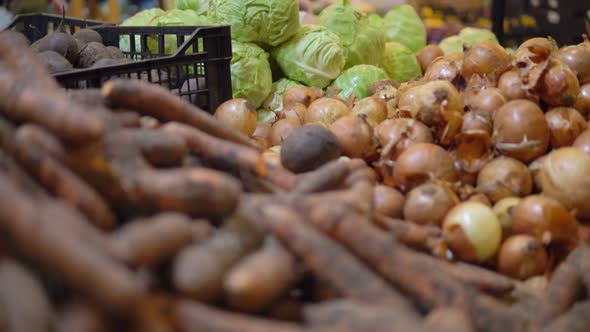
16 18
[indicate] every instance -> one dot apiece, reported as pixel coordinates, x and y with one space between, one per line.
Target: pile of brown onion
492 148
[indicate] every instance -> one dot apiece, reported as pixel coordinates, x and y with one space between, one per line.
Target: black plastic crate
198 71
563 20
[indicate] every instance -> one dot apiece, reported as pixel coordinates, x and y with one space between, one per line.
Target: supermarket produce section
245 166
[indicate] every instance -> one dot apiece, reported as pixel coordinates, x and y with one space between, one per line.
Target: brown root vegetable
107 62
582 142
449 320
148 242
191 316
62 43
351 315
396 135
90 54
300 94
388 201
198 271
328 259
198 192
260 277
288 308
565 124
237 114
520 130
374 108
429 203
230 154
46 234
522 257
409 233
329 176
325 111
115 53
309 147
153 100
547 220
77 316
50 109
485 58
355 135
282 129
58 179
55 62
422 162
159 148
25 306
88 35
559 85
427 55
563 176
575 320
504 177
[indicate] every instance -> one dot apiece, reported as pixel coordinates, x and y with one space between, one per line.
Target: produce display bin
198 70
35 26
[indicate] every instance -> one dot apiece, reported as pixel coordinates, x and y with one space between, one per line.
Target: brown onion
559 85
520 130
521 257
564 176
511 86
238 114
422 162
325 110
577 57
583 142
503 210
396 135
485 58
532 58
535 170
427 55
473 150
293 110
447 67
435 103
565 124
472 232
300 94
429 203
504 177
382 85
373 107
388 201
546 219
480 198
480 121
355 136
488 101
282 129
263 130
583 101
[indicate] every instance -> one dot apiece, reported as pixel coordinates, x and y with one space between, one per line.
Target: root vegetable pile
439 204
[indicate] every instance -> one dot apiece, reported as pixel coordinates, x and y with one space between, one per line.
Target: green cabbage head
363 42
175 17
199 6
143 18
403 25
251 78
470 35
267 23
314 56
358 80
376 20
452 44
400 62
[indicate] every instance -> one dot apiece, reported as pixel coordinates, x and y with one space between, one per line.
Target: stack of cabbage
345 48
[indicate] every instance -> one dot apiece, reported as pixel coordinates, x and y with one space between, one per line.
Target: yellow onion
325 110
504 177
422 162
565 124
429 203
559 85
522 257
485 58
374 108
